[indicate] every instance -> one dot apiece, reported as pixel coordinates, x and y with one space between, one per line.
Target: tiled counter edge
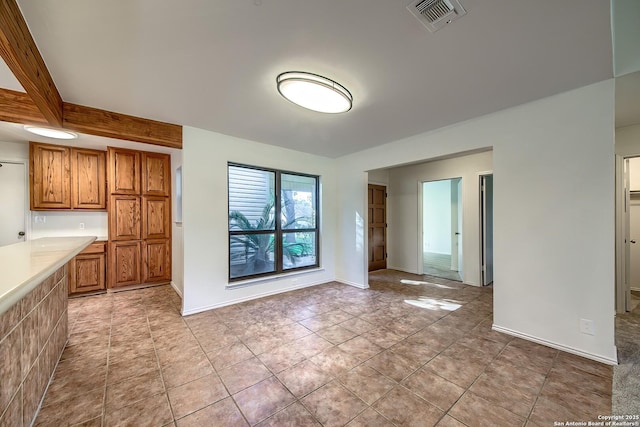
33 334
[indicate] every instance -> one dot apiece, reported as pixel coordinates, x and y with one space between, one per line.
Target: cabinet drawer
94 248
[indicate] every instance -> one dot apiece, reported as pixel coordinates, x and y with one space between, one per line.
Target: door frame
420 269
481 176
27 207
622 249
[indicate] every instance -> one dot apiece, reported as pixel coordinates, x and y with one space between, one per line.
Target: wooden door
124 259
156 217
156 260
124 171
156 174
377 224
50 176
87 273
88 179
124 218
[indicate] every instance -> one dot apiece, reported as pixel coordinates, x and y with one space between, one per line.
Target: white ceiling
212 64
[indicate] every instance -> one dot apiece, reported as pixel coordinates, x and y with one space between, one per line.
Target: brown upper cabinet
124 171
49 176
64 178
156 174
88 178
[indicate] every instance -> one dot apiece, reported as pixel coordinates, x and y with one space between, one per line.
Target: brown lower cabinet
156 260
125 263
87 271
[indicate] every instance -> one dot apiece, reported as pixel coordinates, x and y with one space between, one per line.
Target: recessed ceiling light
51 133
314 92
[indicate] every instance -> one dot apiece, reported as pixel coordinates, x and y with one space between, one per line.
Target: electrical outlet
82 226
587 327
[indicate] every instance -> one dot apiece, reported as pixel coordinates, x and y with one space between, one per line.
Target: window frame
278 230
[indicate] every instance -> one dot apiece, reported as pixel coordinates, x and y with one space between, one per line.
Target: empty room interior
281 213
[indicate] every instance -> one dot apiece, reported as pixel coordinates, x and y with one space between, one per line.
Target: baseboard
251 297
557 346
635 289
354 284
175 288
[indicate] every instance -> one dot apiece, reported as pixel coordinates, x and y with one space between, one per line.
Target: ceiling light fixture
51 133
314 92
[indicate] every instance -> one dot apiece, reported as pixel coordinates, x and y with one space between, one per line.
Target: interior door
12 202
486 189
377 225
634 244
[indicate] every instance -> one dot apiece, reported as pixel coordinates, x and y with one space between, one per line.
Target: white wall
628 141
14 151
67 223
403 232
634 174
436 216
554 213
379 177
205 215
626 33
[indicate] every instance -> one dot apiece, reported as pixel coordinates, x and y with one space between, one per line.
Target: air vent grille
434 10
435 14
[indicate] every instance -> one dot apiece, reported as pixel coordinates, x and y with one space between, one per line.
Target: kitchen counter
24 265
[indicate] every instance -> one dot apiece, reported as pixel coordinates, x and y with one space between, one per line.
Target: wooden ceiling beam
115 125
19 51
18 107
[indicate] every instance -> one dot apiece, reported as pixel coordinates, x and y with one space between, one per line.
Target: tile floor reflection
330 355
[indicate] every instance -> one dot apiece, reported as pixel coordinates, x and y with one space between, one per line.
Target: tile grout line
215 371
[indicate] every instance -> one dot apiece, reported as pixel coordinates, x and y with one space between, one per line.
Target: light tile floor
330 355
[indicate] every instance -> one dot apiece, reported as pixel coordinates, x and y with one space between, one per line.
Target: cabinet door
88 179
156 217
124 171
156 260
156 174
87 273
124 259
124 218
50 176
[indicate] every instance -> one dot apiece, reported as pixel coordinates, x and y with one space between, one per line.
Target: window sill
257 280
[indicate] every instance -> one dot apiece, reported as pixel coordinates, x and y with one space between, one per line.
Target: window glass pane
251 254
298 250
298 205
251 199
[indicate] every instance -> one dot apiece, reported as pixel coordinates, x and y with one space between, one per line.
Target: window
273 221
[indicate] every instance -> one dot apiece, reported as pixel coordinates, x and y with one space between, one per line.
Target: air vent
435 14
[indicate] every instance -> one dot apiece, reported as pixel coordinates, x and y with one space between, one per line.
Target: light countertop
24 265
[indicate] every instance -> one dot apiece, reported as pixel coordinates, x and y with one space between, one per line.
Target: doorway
377 226
486 229
13 202
627 233
442 228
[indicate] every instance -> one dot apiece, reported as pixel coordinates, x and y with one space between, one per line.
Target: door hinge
386 255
